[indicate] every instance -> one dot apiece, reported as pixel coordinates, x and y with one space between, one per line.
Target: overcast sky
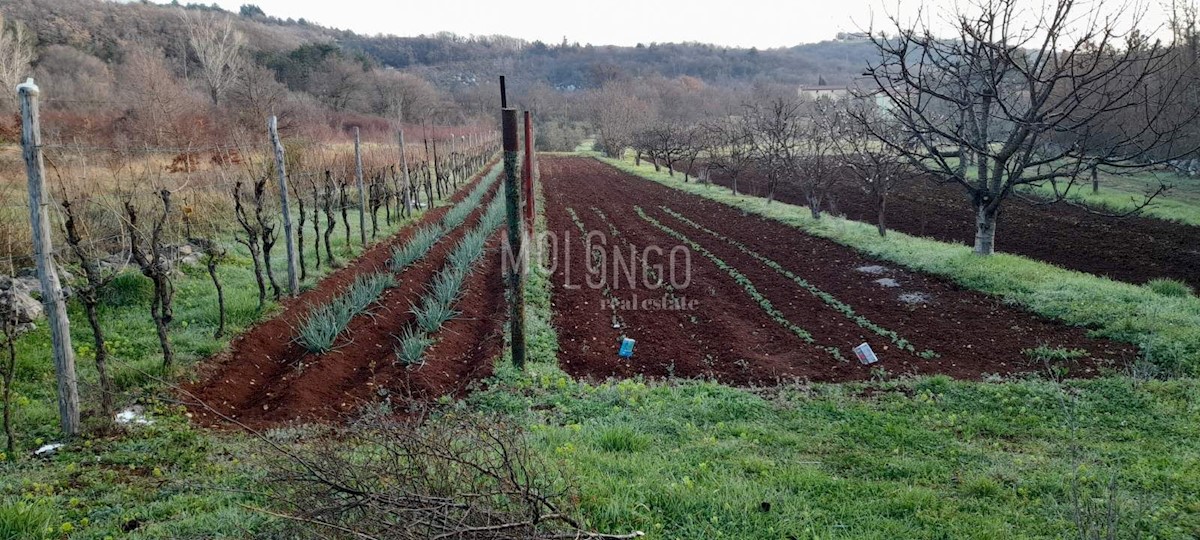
744 23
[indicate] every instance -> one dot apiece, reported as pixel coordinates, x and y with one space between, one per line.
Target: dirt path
1135 249
265 378
731 337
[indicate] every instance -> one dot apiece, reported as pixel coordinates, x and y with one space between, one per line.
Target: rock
25 308
29 285
913 298
190 259
186 250
873 269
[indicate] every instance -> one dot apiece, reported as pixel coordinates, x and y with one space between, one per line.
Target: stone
913 298
873 269
25 308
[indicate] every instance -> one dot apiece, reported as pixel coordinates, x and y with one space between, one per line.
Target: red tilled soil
266 378
1134 249
729 337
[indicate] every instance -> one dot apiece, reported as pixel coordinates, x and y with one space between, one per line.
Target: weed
1169 287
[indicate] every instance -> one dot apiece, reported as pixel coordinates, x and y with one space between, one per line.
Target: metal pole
512 200
284 202
362 196
527 175
52 297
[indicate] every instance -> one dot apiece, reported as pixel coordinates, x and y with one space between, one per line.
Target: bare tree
877 168
218 48
1008 101
616 114
821 127
149 255
16 53
774 137
89 295
251 238
732 152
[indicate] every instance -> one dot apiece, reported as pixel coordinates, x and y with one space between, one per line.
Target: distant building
817 91
853 36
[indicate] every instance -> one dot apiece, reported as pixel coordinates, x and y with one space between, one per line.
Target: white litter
887 282
47 449
865 355
133 416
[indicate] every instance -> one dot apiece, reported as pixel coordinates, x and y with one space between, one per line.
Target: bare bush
467 477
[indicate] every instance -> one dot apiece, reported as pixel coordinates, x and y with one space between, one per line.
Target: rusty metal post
527 175
515 274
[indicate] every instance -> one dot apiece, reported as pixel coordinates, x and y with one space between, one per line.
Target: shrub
127 288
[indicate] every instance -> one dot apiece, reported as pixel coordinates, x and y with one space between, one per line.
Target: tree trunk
160 312
316 225
880 220
330 219
213 260
256 257
93 317
985 230
345 214
300 239
1095 180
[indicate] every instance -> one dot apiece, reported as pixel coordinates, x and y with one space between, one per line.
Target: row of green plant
424 238
597 261
436 306
320 329
647 270
1165 327
825 297
741 279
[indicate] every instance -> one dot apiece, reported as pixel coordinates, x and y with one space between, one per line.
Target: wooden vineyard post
407 181
527 175
362 197
285 204
512 200
52 297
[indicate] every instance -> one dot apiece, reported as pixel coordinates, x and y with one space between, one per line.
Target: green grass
1170 287
893 458
1124 193
913 458
1167 329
